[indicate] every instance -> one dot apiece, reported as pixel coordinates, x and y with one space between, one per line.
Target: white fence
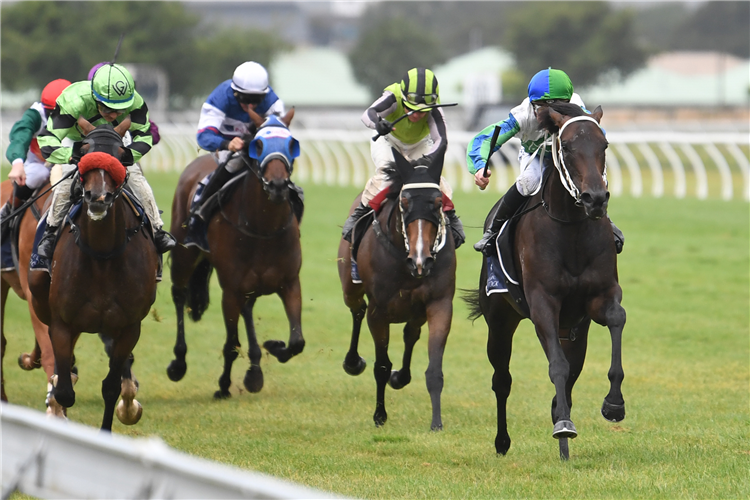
638 163
51 458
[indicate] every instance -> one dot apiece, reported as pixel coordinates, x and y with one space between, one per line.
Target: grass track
686 356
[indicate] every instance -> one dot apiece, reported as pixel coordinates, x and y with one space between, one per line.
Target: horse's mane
564 108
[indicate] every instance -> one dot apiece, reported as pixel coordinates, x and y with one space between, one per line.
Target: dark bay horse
41 355
254 244
567 265
102 276
407 263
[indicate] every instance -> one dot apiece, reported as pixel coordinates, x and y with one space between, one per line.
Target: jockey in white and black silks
418 136
108 98
224 121
28 170
547 86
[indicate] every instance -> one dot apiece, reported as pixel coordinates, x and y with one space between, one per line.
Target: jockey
110 95
547 86
154 129
420 135
224 121
28 171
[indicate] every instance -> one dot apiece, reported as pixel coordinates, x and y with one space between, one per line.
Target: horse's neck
256 208
390 221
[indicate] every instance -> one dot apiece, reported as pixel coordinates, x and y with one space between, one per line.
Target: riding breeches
37 173
381 154
136 182
233 166
530 178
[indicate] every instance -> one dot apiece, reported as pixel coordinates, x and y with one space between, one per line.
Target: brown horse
407 263
103 276
41 355
567 266
254 243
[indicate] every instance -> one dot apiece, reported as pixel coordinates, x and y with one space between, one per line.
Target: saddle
9 247
502 275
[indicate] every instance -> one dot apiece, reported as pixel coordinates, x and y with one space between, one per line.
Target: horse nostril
587 199
87 196
428 263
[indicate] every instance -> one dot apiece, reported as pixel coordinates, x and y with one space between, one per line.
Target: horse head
421 208
579 154
274 149
101 173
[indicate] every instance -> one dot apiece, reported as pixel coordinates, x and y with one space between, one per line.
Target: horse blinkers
420 203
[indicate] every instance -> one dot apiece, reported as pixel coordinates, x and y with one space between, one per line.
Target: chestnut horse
407 264
41 355
567 265
254 244
102 276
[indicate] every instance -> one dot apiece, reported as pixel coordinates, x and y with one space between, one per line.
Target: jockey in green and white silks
108 98
547 86
420 135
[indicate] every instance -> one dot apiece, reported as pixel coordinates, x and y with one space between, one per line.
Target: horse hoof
254 379
26 362
564 429
436 427
129 414
613 413
502 444
54 409
380 419
222 394
278 349
396 383
356 369
176 370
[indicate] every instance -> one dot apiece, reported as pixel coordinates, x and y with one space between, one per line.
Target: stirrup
355 273
480 245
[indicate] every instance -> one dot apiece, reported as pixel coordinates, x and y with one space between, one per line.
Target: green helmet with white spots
113 86
419 88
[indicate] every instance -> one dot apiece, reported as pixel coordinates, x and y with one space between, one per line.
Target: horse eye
405 202
258 148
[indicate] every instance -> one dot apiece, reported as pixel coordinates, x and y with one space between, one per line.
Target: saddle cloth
502 276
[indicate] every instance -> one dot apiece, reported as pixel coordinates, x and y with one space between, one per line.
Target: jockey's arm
140 132
21 135
479 147
381 108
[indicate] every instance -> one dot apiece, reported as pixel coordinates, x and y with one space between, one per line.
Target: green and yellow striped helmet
419 88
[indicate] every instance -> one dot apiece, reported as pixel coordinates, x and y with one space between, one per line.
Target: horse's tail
471 297
198 298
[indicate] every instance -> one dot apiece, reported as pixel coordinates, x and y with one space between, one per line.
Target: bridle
440 238
559 159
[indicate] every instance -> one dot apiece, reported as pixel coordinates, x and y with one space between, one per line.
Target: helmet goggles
248 98
416 99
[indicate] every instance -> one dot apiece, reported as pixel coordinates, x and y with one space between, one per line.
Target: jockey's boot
510 203
20 195
346 232
46 244
457 228
220 177
163 240
4 216
619 237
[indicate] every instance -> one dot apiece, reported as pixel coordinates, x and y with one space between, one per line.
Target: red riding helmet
52 91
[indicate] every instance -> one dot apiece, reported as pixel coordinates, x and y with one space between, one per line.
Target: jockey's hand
17 173
383 127
235 145
482 181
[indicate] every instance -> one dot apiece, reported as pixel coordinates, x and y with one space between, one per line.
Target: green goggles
416 99
105 110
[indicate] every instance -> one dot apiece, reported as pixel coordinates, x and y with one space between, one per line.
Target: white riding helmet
250 78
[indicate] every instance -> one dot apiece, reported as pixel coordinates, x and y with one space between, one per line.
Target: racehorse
102 275
567 265
41 355
254 243
407 265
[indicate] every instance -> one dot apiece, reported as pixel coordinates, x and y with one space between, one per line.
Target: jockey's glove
383 127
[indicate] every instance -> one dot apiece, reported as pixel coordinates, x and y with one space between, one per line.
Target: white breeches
529 180
36 173
381 154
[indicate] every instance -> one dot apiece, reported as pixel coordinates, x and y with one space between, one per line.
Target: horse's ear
255 117
557 118
287 118
436 167
403 166
597 114
85 125
123 127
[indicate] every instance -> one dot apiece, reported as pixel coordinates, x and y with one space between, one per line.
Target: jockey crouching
225 124
108 98
419 136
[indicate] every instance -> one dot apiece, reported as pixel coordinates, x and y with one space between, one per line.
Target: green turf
684 274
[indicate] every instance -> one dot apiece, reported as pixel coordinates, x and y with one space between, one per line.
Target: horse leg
439 316
231 305
401 378
177 368
609 312
129 410
4 288
380 330
354 364
544 314
574 342
502 321
122 346
63 340
254 375
291 296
